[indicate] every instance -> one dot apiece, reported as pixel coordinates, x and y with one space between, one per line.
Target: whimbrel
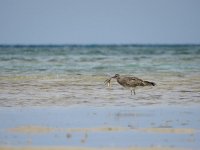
130 82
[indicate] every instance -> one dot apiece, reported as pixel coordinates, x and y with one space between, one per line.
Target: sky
99 21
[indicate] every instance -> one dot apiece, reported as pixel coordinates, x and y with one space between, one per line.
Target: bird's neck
118 78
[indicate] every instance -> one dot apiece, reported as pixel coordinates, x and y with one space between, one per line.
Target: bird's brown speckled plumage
130 82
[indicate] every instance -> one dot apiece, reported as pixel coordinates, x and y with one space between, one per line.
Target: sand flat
169 130
31 129
41 129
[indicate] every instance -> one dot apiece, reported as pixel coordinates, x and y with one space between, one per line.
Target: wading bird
129 82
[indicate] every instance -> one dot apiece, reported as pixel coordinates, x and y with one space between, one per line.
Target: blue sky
99 21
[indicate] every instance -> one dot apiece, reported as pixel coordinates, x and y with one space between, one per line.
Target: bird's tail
147 83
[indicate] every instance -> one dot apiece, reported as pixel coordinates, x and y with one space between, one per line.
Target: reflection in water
142 126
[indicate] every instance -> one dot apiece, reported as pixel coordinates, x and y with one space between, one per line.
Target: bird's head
116 76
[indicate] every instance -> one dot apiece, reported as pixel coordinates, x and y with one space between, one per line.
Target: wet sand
40 130
79 112
87 90
79 128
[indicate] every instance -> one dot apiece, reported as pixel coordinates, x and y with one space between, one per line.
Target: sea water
54 95
63 75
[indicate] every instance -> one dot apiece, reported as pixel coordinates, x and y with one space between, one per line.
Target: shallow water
90 90
110 127
55 97
67 75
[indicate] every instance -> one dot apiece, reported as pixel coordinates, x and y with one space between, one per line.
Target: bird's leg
134 91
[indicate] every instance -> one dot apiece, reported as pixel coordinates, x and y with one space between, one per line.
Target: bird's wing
134 81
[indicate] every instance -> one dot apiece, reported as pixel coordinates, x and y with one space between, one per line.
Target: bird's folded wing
133 81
